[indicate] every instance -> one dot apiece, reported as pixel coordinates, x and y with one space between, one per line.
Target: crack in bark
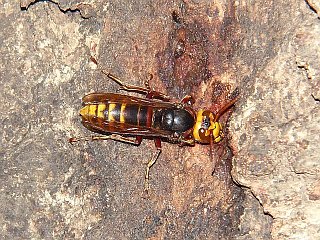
25 4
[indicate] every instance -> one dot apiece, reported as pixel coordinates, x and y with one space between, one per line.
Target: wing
94 98
124 129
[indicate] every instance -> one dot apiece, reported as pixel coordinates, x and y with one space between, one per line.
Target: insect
129 119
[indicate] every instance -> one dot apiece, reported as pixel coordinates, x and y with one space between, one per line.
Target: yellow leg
149 165
189 142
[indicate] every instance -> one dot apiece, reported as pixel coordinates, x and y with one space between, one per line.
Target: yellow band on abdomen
92 110
112 106
100 111
123 107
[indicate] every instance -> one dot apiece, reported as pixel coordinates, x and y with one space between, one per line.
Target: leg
186 139
151 162
125 86
188 142
147 90
148 81
153 94
188 100
212 155
158 95
114 137
217 151
221 163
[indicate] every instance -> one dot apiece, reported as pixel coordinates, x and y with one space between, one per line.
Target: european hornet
128 119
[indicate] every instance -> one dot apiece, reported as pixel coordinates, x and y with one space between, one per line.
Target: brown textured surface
277 132
53 190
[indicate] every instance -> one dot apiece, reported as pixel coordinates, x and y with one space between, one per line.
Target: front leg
186 139
184 142
187 100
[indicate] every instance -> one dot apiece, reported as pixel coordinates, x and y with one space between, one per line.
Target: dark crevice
263 209
315 98
24 7
311 7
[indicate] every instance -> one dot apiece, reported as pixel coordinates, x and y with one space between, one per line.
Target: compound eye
206 123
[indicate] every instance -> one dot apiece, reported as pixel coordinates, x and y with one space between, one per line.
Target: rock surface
269 50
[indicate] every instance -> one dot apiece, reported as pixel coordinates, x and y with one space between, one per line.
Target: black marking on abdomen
131 114
142 116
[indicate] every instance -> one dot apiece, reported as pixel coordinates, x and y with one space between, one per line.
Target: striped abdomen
117 112
169 119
